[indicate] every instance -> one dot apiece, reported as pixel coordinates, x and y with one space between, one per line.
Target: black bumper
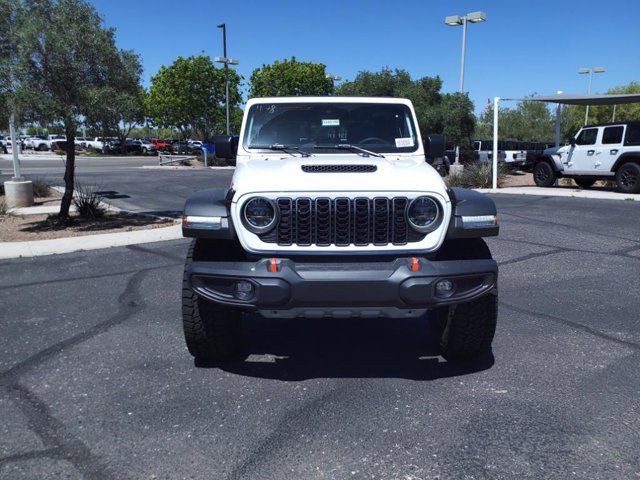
350 284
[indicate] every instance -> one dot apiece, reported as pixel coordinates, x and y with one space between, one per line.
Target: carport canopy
578 99
559 98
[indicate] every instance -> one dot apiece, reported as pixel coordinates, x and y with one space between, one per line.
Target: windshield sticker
404 142
330 122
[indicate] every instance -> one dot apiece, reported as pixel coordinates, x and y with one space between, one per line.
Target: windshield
372 126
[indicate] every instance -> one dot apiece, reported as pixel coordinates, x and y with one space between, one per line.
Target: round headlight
423 214
260 214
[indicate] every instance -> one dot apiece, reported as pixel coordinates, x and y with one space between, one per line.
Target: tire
42 148
628 178
212 332
584 182
468 328
543 174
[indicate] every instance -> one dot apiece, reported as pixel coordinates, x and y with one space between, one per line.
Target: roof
581 99
328 99
611 124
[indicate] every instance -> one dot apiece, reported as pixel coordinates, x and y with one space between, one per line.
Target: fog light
445 288
243 290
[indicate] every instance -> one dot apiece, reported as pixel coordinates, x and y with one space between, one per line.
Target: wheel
628 178
42 147
212 332
584 182
543 175
468 328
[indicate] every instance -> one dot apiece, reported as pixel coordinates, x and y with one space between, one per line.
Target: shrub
4 210
476 175
88 202
40 187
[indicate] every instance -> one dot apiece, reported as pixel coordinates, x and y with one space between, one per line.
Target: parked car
99 144
483 151
146 147
361 227
162 145
81 142
3 143
42 144
597 152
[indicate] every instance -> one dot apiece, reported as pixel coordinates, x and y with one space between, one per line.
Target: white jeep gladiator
335 211
598 152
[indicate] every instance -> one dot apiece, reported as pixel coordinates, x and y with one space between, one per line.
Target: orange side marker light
274 265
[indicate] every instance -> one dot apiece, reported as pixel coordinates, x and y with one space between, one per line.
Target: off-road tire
212 332
543 174
628 178
468 328
584 182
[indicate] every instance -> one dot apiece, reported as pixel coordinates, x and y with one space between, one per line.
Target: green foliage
451 114
88 202
476 175
65 59
527 121
189 96
290 78
120 105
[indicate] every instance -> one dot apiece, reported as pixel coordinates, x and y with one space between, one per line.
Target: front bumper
391 289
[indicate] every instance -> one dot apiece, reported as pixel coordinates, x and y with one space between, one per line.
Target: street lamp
333 78
454 21
590 71
227 61
457 20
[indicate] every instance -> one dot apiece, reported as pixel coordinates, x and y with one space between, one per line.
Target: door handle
613 151
590 152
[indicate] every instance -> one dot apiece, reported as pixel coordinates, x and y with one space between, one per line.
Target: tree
290 78
66 58
458 120
119 106
424 93
527 121
189 96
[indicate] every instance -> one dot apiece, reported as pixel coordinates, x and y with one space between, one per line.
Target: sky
524 47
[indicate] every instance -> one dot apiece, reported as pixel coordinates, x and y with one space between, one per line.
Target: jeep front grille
342 221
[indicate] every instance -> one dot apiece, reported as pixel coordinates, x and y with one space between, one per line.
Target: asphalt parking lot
96 381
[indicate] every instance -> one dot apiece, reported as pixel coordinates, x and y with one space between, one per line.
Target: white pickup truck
99 143
44 143
598 152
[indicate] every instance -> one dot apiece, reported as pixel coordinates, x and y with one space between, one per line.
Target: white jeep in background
598 152
335 211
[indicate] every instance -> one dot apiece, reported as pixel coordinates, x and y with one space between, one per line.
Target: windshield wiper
282 148
348 146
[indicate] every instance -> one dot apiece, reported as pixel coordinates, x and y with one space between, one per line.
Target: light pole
227 61
462 20
333 78
590 71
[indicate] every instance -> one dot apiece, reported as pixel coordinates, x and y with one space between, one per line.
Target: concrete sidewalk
565 192
37 248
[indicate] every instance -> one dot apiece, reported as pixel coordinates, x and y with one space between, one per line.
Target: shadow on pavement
301 349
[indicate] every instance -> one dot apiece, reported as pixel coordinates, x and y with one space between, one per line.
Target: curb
563 192
37 248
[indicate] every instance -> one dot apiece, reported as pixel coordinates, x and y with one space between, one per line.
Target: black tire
543 174
584 182
628 178
212 332
468 328
42 148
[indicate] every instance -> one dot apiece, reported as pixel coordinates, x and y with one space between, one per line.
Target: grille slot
342 221
329 168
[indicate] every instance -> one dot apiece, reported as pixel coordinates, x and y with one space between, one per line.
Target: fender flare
212 203
626 157
469 203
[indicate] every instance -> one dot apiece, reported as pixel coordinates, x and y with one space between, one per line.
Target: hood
336 173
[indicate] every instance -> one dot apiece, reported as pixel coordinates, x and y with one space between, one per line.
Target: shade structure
581 99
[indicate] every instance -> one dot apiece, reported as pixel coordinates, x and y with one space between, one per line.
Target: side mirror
434 147
225 146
